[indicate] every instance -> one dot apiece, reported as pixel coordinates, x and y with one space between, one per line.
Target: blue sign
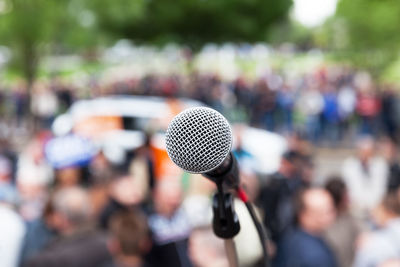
69 151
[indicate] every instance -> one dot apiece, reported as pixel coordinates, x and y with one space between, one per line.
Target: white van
118 123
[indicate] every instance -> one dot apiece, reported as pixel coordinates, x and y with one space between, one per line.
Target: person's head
129 237
68 176
167 196
126 190
71 209
314 210
337 188
205 249
297 142
388 209
365 148
289 163
388 149
306 169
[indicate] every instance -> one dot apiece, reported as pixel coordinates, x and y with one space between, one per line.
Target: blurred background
88 88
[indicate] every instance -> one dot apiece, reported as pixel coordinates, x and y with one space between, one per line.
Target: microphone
199 140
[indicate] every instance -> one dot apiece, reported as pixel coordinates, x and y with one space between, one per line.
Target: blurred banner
70 150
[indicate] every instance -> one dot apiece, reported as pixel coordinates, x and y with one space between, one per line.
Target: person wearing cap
276 195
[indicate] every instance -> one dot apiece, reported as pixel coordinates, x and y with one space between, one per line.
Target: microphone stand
225 220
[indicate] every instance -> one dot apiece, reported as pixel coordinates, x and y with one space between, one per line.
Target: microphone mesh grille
198 139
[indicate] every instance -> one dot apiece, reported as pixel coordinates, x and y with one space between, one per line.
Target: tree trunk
29 67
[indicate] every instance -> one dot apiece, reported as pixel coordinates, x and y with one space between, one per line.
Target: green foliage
371 32
33 28
371 23
192 22
292 32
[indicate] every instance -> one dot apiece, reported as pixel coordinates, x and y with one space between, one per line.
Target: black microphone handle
226 174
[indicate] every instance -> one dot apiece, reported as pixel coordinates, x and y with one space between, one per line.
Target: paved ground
329 161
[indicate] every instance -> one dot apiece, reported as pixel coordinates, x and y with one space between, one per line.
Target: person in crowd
286 100
346 99
306 170
276 195
368 108
125 193
142 163
264 105
389 113
383 244
303 245
100 169
40 232
79 243
330 115
390 154
366 178
8 155
69 176
129 240
311 104
206 249
5 170
297 141
44 105
343 233
169 226
12 227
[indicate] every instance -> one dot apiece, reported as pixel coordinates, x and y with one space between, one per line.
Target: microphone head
198 139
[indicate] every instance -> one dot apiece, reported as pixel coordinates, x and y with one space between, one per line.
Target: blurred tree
33 28
371 28
192 22
292 32
26 25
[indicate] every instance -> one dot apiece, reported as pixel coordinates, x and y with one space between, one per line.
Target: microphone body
199 140
227 173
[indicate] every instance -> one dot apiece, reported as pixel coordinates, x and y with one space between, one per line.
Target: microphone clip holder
225 220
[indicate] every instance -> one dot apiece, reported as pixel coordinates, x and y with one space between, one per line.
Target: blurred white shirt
12 232
366 188
347 100
311 102
381 246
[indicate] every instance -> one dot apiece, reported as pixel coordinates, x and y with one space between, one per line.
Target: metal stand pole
231 252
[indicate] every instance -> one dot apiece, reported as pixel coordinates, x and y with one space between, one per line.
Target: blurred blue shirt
301 249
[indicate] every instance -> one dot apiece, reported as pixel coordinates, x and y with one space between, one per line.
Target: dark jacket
38 235
276 201
170 240
86 248
301 249
394 177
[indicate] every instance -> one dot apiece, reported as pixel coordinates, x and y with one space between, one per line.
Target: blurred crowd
103 214
330 104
